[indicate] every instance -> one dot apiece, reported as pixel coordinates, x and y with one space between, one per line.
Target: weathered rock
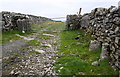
104 25
39 51
104 53
48 35
94 44
85 21
116 20
95 63
117 40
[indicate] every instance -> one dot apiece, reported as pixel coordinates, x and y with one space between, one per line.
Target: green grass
55 27
75 57
56 43
14 54
50 32
44 46
36 28
10 35
43 37
34 43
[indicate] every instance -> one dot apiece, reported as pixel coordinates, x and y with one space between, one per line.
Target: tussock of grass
44 46
10 35
43 37
14 54
34 42
75 57
55 43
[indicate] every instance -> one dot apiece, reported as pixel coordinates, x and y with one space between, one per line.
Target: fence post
79 11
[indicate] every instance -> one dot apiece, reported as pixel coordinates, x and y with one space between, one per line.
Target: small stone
100 59
48 35
81 73
49 57
95 63
91 70
39 51
65 46
104 52
5 57
17 73
12 72
31 71
58 70
117 40
11 40
23 31
48 45
117 30
25 38
61 67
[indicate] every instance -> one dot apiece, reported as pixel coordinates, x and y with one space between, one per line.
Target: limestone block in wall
26 24
85 21
115 62
112 9
117 30
116 20
117 52
117 40
119 11
104 52
20 24
94 44
100 11
23 24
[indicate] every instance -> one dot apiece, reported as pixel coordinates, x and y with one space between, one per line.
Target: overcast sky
53 8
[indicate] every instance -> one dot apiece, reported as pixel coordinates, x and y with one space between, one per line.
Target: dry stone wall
73 22
104 25
22 22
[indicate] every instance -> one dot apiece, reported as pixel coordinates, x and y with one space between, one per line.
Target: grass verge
75 57
10 35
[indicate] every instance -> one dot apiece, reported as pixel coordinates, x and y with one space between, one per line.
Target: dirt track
36 64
